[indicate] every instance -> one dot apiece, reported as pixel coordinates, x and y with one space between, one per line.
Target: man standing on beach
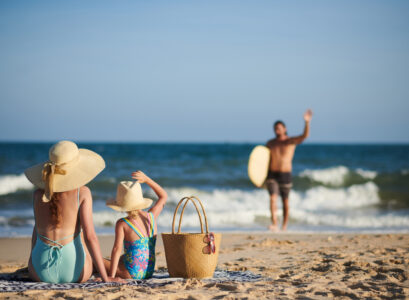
279 180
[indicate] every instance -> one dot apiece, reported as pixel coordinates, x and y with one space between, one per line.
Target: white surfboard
259 161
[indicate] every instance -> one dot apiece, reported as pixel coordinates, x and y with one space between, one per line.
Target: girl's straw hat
129 197
68 168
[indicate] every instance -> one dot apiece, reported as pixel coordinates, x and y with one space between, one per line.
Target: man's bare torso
282 153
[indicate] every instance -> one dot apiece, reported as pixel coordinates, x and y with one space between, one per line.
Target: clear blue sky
203 71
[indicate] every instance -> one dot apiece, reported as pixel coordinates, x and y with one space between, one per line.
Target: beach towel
19 281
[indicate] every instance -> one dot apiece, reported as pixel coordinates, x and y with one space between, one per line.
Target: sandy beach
293 266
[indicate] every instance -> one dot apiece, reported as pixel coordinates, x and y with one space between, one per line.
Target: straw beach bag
191 255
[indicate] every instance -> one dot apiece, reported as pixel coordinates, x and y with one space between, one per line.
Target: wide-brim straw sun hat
68 168
129 197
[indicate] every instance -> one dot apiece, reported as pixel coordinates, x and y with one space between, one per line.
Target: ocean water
337 188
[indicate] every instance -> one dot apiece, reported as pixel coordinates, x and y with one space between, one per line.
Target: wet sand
293 266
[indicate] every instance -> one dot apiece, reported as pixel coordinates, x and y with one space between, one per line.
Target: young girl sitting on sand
137 232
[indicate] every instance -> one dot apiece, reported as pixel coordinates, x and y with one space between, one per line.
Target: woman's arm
117 248
159 191
89 233
34 235
33 238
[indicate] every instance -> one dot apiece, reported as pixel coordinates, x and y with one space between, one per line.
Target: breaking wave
12 183
337 176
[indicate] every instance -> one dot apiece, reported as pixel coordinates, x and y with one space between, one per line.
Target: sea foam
366 173
335 176
352 207
12 183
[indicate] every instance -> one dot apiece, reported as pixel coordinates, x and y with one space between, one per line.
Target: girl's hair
133 213
54 209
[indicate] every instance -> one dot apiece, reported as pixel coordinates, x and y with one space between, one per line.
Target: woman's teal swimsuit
57 263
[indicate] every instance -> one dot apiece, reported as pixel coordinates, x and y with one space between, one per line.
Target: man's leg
273 210
284 193
286 212
272 187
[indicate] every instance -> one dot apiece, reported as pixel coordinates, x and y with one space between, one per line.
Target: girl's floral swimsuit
139 258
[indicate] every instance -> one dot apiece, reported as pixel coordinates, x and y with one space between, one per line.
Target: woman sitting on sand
137 232
63 216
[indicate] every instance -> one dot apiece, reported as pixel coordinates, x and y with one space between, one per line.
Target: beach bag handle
191 198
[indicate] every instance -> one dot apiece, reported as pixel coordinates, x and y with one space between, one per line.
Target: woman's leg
31 271
87 271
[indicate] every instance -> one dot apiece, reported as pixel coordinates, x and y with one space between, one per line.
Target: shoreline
260 232
17 249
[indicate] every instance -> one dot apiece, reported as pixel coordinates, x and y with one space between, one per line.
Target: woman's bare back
68 210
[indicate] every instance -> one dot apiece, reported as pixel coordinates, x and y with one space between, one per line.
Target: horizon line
84 141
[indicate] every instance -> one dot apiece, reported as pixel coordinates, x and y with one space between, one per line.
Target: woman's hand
140 176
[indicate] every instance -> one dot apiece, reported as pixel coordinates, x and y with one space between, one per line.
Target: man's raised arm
306 133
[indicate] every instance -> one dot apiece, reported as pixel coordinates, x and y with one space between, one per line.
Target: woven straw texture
185 252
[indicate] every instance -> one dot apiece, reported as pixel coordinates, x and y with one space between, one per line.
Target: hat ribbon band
49 170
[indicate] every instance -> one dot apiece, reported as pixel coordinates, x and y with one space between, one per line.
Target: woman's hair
133 213
54 209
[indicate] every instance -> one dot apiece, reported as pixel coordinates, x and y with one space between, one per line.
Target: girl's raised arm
156 209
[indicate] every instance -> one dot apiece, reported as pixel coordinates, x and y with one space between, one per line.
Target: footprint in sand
343 293
399 274
228 287
238 249
358 266
327 265
397 261
267 269
381 262
332 255
380 276
362 286
319 293
243 259
221 296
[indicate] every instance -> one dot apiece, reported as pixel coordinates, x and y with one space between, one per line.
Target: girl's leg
107 265
122 271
